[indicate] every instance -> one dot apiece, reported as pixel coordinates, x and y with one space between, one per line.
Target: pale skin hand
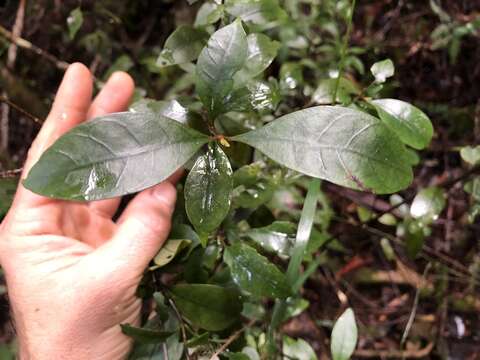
71 271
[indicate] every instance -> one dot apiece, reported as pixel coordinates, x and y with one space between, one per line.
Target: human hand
71 271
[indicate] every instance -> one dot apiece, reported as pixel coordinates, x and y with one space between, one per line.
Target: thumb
142 229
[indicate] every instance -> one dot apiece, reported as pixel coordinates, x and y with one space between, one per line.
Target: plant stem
343 51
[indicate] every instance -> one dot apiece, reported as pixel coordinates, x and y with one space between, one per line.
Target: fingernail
165 192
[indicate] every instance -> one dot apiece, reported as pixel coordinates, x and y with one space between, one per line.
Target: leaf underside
113 155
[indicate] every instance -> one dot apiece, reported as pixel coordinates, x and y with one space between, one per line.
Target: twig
25 44
10 173
11 57
182 326
16 32
395 354
343 51
411 318
19 109
231 339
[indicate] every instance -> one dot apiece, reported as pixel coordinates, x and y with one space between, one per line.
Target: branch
231 339
25 44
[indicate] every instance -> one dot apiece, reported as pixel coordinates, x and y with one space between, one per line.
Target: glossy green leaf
74 22
145 335
428 204
207 190
382 70
323 94
168 252
276 237
410 124
344 336
127 152
470 154
209 307
256 11
209 13
171 349
8 187
291 75
171 109
304 230
224 55
297 349
261 52
342 145
182 46
247 175
255 195
254 273
256 95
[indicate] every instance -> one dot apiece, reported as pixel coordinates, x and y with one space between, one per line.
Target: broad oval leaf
209 307
207 190
223 56
182 46
344 336
411 125
261 52
277 237
168 252
256 11
428 204
382 70
209 13
345 146
127 152
297 349
254 273
470 154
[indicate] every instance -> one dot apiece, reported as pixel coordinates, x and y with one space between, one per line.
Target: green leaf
207 190
256 95
303 233
218 62
144 335
209 13
276 237
344 336
209 307
122 63
253 272
182 46
74 22
297 349
382 70
291 75
168 252
338 144
171 349
113 155
411 125
255 195
256 11
323 94
8 187
428 204
261 52
470 154
171 109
